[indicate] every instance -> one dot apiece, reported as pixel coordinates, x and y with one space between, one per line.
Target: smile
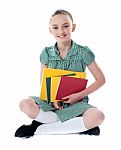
62 36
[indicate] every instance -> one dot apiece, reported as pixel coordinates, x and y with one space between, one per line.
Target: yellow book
49 72
54 86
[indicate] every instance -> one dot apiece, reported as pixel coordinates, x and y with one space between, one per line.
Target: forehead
60 18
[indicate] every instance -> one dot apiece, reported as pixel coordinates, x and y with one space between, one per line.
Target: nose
61 30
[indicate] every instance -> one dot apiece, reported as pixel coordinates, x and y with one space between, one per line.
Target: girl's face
61 27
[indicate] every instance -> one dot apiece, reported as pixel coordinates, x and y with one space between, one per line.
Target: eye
55 28
66 26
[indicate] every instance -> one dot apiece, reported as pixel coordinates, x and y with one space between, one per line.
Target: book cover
49 72
69 85
54 86
48 89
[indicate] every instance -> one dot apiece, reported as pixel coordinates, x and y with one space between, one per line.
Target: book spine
48 86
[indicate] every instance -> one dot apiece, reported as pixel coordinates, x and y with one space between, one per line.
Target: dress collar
72 51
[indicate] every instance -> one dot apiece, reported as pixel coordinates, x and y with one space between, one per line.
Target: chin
63 40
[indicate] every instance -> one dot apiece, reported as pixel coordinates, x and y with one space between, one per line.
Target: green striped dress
77 59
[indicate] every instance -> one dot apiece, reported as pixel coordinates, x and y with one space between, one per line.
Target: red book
69 85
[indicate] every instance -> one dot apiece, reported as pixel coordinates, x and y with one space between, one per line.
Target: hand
57 105
73 98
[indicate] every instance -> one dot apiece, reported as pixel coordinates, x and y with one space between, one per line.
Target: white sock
74 125
47 117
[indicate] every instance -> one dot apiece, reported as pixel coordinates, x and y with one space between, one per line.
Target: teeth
62 36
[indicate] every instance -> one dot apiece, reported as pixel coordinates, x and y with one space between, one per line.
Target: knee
29 107
25 104
94 116
99 115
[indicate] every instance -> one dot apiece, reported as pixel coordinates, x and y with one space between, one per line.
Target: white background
24 33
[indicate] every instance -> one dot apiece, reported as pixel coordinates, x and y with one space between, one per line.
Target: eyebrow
62 24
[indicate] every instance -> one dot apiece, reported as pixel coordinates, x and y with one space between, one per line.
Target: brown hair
61 11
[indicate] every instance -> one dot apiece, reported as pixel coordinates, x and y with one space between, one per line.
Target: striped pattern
67 112
77 59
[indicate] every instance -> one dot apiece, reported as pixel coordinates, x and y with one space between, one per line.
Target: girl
72 116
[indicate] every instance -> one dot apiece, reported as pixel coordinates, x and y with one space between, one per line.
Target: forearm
41 71
92 88
99 80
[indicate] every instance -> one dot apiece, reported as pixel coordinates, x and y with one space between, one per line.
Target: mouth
62 36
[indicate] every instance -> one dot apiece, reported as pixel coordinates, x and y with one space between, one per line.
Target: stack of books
57 83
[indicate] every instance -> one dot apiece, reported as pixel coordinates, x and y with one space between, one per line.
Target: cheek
53 33
68 30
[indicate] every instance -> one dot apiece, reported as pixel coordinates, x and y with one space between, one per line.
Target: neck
64 46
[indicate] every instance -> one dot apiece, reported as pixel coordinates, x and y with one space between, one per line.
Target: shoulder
44 56
50 51
82 49
47 53
47 49
86 54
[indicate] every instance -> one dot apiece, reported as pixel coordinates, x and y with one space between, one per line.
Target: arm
41 71
99 81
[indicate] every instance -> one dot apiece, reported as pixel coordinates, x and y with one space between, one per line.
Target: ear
50 30
73 27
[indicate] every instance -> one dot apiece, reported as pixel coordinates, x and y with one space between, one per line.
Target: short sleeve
44 56
88 56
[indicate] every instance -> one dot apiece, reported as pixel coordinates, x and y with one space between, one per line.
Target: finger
57 106
66 101
65 98
61 107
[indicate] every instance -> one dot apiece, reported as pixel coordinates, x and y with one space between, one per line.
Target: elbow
102 81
